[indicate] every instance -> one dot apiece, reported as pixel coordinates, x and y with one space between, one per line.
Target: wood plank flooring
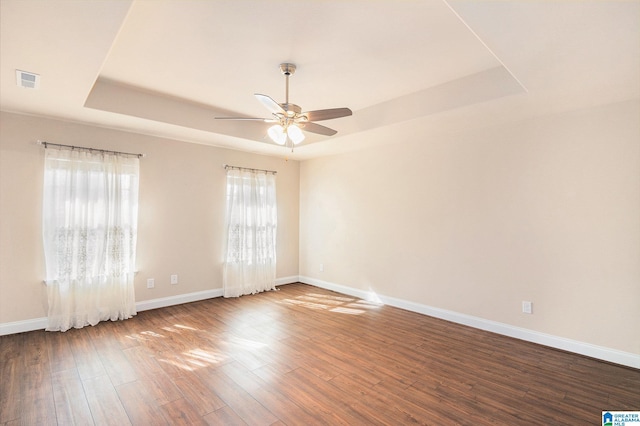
299 356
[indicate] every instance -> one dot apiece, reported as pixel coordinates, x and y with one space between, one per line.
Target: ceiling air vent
27 80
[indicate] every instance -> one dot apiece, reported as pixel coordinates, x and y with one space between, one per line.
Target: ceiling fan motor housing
291 109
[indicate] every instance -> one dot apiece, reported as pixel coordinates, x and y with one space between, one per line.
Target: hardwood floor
299 356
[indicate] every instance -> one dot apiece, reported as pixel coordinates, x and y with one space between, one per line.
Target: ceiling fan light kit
289 118
277 134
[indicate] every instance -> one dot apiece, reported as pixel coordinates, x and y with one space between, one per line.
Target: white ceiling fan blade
317 128
327 114
270 104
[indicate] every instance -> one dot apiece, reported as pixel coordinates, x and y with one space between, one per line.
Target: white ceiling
167 67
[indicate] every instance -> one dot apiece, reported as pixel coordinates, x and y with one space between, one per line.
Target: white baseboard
41 323
194 297
22 326
582 348
287 280
179 299
144 305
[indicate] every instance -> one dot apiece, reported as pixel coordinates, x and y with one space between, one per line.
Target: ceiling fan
290 120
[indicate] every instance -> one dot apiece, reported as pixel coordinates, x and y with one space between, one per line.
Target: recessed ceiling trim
475 34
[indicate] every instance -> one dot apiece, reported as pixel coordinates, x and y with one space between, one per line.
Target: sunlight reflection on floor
338 304
194 359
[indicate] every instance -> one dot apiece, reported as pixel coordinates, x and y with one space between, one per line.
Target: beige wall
546 211
180 218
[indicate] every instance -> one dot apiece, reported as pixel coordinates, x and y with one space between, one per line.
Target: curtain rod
226 166
45 143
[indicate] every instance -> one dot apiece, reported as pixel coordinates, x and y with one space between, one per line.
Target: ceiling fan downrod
287 69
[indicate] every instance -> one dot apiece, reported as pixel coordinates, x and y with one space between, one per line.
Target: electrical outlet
527 307
322 267
151 283
174 279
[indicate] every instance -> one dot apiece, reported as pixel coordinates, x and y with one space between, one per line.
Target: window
251 223
90 211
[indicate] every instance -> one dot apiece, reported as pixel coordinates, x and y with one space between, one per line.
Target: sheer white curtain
251 221
90 214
